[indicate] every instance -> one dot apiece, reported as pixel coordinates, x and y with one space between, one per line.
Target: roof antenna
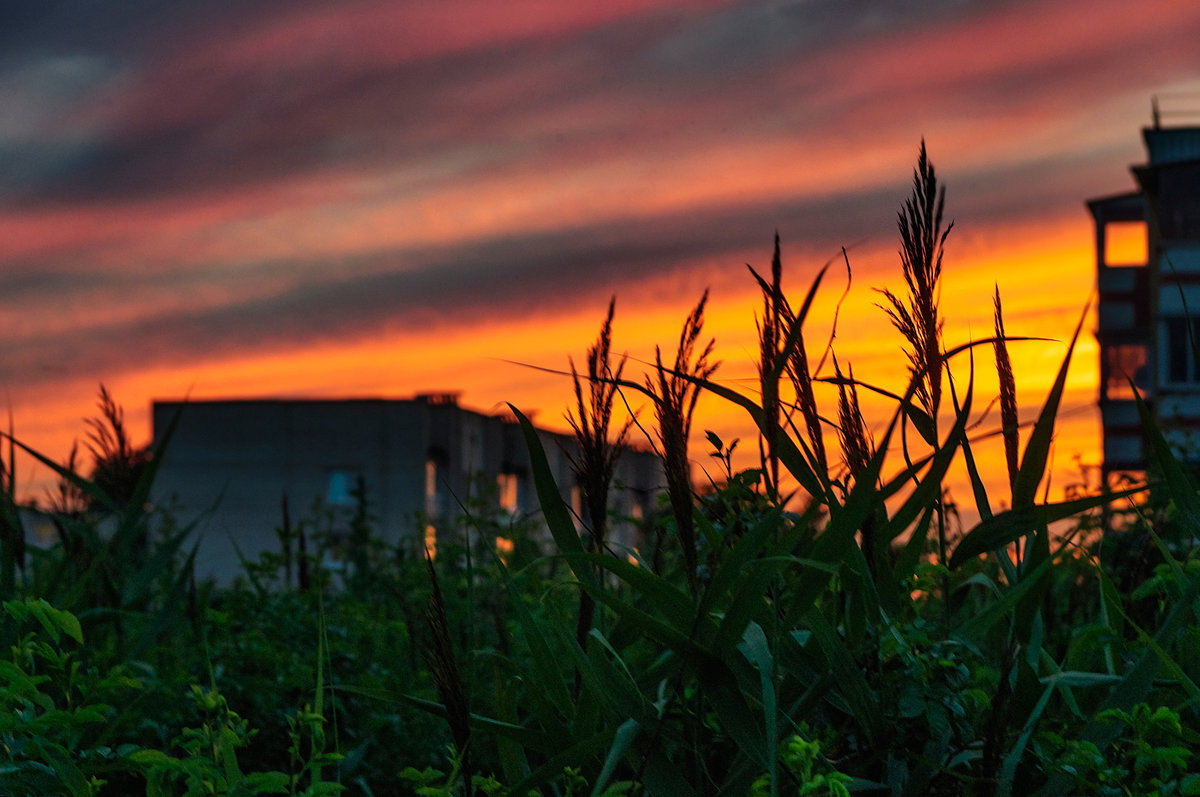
1154 111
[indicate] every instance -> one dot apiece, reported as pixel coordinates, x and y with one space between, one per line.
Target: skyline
298 198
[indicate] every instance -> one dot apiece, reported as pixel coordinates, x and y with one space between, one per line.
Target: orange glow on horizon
1037 279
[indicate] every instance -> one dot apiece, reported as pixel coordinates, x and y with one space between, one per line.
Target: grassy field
819 624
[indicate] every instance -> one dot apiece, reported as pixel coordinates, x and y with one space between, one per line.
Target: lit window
431 491
506 486
431 541
577 500
1125 243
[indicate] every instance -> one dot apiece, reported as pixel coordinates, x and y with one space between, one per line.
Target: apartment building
234 462
1148 274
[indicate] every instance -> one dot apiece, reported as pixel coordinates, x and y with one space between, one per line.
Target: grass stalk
443 667
675 392
596 461
916 317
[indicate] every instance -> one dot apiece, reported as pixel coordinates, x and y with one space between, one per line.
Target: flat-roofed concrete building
233 461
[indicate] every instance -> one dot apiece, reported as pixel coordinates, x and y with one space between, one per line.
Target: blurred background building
1148 276
415 462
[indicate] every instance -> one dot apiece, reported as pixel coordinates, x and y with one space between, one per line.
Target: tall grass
836 623
824 639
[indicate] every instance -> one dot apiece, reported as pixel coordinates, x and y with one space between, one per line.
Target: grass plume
591 422
116 463
857 449
675 392
917 319
775 332
1008 396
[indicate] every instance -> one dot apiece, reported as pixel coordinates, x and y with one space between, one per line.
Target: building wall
234 462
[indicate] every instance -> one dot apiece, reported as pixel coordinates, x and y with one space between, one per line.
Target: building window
472 447
577 504
1181 366
341 488
431 488
505 548
1121 363
506 487
1125 243
437 469
431 541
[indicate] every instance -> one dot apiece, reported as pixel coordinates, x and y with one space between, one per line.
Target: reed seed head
1008 396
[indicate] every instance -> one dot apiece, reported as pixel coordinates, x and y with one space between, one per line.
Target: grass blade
554 510
756 648
622 739
1037 450
1005 527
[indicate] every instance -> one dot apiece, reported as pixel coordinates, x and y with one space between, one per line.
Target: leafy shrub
55 712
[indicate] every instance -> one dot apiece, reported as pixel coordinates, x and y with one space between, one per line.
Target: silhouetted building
1149 308
234 461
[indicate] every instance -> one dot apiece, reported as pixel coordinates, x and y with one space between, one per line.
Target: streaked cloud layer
387 197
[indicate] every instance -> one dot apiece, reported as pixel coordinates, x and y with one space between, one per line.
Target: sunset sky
298 198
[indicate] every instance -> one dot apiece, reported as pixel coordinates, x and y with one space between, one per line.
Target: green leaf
151 757
612 687
1179 486
1031 582
663 779
55 621
566 753
758 651
1008 769
1139 679
554 510
622 739
66 771
674 604
848 676
733 712
831 546
1075 678
910 554
548 676
785 448
1037 449
929 489
90 489
271 783
1005 527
